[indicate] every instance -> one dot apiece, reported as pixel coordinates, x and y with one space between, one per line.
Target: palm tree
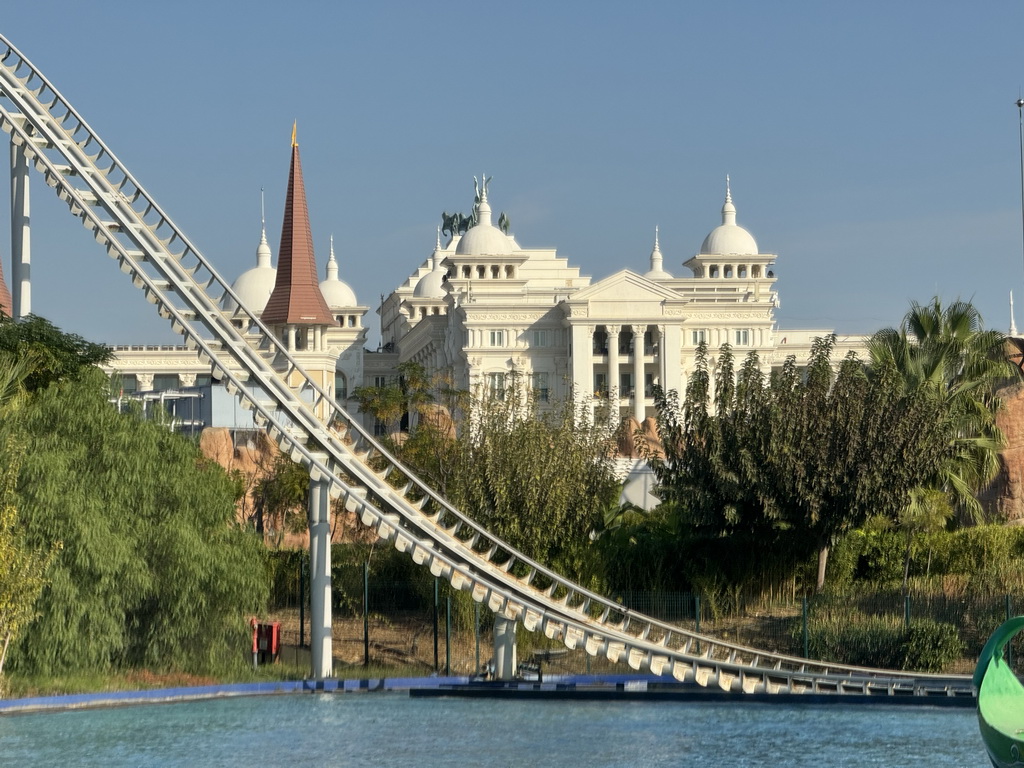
949 350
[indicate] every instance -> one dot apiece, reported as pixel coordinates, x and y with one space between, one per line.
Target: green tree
56 355
541 479
948 350
537 477
779 469
23 568
153 570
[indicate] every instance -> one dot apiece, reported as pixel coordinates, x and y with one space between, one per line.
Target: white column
21 242
638 372
613 370
320 638
582 364
504 648
671 351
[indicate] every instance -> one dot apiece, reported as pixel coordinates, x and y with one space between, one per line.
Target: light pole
1020 123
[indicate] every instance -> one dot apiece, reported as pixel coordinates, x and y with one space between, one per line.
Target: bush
884 642
931 646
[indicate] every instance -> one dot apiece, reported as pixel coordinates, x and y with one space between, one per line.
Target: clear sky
872 145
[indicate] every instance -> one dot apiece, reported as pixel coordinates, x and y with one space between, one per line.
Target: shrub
884 642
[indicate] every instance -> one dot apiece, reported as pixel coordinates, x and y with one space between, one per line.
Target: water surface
392 729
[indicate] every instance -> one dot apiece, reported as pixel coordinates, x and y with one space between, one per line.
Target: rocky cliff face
253 456
1004 499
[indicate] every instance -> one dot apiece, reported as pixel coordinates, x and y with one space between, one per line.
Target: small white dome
336 292
484 239
254 286
431 285
729 238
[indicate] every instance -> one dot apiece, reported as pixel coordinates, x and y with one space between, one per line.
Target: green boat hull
1000 699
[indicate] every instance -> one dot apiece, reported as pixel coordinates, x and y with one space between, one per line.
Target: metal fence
420 626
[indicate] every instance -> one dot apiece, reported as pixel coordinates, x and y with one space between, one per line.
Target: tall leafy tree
23 568
948 350
153 570
540 479
56 355
781 468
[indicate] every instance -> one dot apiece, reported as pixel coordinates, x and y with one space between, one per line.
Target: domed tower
657 270
254 286
345 341
336 293
729 252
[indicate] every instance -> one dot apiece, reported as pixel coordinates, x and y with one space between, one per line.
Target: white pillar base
505 664
320 636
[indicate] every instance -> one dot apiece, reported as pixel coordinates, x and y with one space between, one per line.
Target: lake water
393 729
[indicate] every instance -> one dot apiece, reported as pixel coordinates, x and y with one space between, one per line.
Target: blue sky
873 146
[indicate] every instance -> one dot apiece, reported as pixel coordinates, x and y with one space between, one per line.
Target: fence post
1009 645
437 599
448 637
807 643
366 613
302 598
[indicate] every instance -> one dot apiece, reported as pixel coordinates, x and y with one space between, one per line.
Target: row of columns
668 367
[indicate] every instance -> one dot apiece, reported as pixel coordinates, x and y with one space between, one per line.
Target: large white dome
729 238
484 239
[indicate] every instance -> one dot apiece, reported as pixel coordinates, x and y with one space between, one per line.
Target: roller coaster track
244 355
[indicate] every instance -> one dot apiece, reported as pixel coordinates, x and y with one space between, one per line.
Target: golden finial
295 128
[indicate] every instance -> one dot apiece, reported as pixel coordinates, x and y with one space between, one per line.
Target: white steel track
186 290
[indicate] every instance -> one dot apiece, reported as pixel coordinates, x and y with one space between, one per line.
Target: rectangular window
540 386
380 381
165 381
542 337
625 385
742 337
600 385
496 385
497 338
699 336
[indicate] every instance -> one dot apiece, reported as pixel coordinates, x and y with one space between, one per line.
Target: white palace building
482 307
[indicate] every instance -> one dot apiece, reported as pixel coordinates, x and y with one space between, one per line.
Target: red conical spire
296 299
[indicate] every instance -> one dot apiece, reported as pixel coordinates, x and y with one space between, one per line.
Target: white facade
481 308
484 308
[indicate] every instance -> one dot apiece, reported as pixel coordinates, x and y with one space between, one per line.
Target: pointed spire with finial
332 264
296 299
657 271
263 254
728 210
